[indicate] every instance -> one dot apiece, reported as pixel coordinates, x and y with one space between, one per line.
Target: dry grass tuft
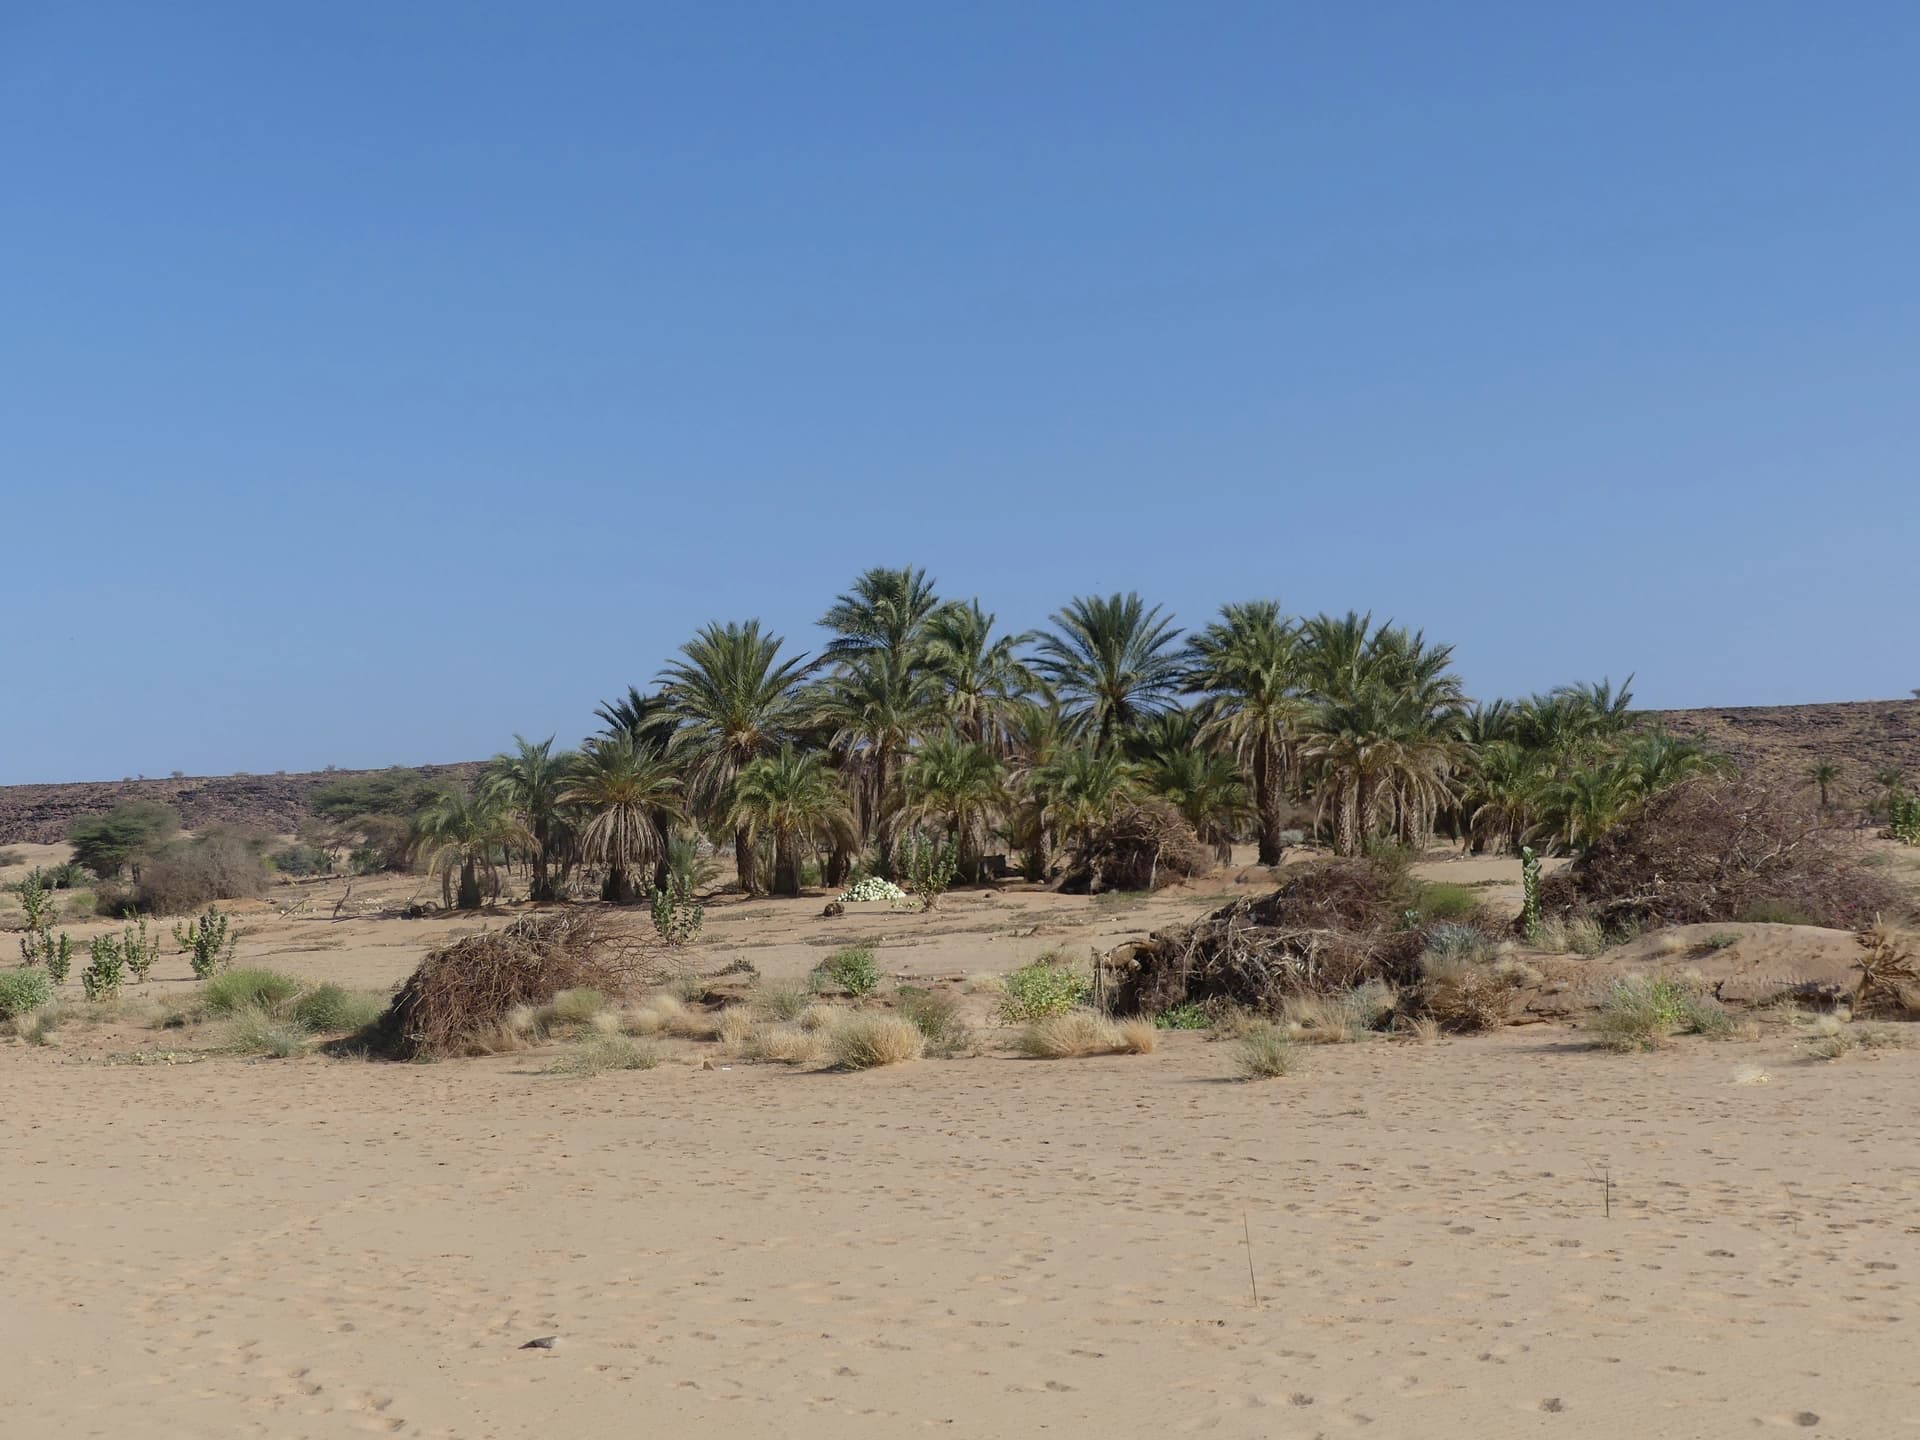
599 1053
1074 1034
1465 997
739 1031
1265 1052
790 1045
780 999
574 1007
1138 1036
863 1040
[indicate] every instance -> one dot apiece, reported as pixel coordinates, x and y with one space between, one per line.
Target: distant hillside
1775 741
1779 742
40 814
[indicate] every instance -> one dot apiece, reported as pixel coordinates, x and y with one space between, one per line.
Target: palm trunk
786 866
839 862
469 896
541 887
882 814
1345 820
619 888
1266 790
743 858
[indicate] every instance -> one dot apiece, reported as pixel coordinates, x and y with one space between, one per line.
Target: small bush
232 991
220 865
1340 1018
301 860
1046 987
102 978
1716 942
255 1031
1138 1035
1067 1035
790 1044
22 991
1642 1014
936 1016
1578 936
574 1007
780 999
208 942
598 1054
1466 998
1439 901
1265 1053
36 1027
332 1009
852 970
1467 943
864 1040
1187 1016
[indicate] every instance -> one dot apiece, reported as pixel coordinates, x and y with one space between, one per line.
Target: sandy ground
980 1248
985 1247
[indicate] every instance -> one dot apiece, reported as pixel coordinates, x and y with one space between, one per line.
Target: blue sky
379 380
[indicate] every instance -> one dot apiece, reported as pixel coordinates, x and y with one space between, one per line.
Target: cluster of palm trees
922 716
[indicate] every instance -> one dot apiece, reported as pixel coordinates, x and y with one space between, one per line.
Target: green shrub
936 1015
852 969
232 991
927 867
1642 1014
251 1031
1529 893
301 860
780 1000
36 901
1046 987
22 991
208 942
139 950
1265 1052
55 955
106 844
677 916
1439 901
1465 943
101 979
330 1009
1190 1016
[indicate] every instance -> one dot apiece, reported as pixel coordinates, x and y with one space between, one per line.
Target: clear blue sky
377 380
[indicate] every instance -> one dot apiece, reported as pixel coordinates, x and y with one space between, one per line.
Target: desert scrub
1641 1013
1046 987
598 1054
102 978
572 1008
937 1017
22 991
1828 1037
208 942
253 1031
852 970
333 1009
1076 1033
234 990
1466 996
1578 936
1438 900
1265 1052
780 999
1339 1018
864 1039
1449 941
1187 1016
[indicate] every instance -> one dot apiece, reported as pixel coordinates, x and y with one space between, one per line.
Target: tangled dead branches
1889 973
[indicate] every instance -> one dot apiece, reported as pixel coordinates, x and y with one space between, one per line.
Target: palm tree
736 699
1037 735
1248 665
624 790
885 610
1206 788
980 678
649 719
1380 748
465 830
1501 794
1112 661
1824 774
531 782
1892 781
1083 788
876 704
792 796
960 783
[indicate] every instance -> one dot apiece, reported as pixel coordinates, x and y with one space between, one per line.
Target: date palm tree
980 677
961 784
1083 788
1112 661
792 796
736 700
875 704
1248 665
624 791
532 781
464 832
886 610
1824 775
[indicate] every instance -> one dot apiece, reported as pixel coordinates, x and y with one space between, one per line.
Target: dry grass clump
865 1039
1073 1034
1570 935
599 1053
790 1045
819 1016
1464 997
1420 1029
1265 1052
1340 1018
780 999
1830 1037
262 1032
937 1016
462 992
573 1007
1138 1035
1719 849
738 1032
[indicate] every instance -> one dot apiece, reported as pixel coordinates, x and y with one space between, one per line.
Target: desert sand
1513 1235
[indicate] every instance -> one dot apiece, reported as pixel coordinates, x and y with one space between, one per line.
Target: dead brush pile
1334 925
463 992
1889 964
1144 847
1720 849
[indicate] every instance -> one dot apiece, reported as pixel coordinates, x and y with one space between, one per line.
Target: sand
987 1247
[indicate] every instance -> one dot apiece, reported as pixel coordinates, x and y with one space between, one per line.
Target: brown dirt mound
1723 849
1332 925
464 990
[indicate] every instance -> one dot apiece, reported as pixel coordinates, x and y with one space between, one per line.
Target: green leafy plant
852 969
927 866
40 947
1046 987
1187 1016
231 991
209 942
1903 815
677 916
139 950
22 991
102 978
1530 891
37 900
329 1008
1642 1014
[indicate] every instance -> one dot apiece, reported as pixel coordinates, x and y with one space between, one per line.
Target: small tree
101 979
139 950
208 942
38 947
37 900
677 916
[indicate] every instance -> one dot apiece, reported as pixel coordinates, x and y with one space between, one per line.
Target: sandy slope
980 1248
